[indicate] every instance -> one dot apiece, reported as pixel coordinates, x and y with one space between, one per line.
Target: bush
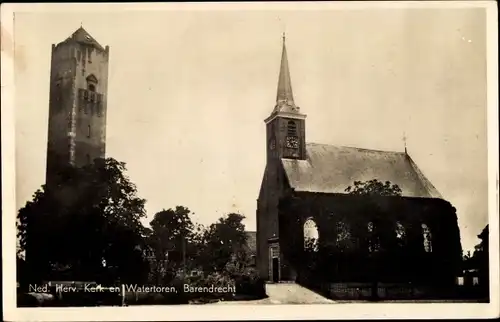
249 284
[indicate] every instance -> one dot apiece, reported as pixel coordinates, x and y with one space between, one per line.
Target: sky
188 92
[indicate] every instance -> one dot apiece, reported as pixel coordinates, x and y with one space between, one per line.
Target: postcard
246 161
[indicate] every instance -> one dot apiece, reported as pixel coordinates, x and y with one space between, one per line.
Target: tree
87 223
238 263
379 228
20 271
480 258
172 239
374 187
484 246
222 240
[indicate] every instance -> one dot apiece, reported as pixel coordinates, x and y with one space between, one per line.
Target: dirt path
286 293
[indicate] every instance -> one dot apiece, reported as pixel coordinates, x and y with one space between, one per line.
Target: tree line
87 227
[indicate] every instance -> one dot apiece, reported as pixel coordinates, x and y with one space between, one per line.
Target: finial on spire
284 36
81 24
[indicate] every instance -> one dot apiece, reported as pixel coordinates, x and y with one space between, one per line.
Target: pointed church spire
284 95
285 104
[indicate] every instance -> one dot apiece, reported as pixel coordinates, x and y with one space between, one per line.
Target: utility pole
183 256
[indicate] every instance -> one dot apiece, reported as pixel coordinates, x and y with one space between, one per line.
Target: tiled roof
252 241
331 169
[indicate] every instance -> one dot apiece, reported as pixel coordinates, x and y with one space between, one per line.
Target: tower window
88 131
91 82
292 128
88 159
427 238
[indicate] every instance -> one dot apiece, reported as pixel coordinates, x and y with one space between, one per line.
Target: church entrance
276 269
274 263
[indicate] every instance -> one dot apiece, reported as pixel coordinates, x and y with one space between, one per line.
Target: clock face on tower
292 142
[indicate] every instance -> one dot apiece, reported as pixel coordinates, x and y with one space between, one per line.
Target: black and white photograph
252 160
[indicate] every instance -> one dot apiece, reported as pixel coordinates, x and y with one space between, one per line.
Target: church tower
77 103
285 125
285 139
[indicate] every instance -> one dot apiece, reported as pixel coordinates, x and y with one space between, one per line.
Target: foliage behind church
365 236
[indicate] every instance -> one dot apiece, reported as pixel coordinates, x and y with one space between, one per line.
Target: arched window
88 159
427 238
373 240
343 235
292 128
311 235
88 131
400 232
91 83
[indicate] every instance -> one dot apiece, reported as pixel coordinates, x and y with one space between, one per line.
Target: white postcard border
239 311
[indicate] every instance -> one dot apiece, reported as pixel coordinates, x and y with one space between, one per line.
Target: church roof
331 169
82 36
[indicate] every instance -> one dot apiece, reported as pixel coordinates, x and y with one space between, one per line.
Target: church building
304 188
77 103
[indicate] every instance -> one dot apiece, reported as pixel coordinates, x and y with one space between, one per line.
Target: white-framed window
311 235
373 240
343 234
426 232
400 230
400 233
274 252
292 128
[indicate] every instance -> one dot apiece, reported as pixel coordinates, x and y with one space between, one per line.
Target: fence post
123 295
